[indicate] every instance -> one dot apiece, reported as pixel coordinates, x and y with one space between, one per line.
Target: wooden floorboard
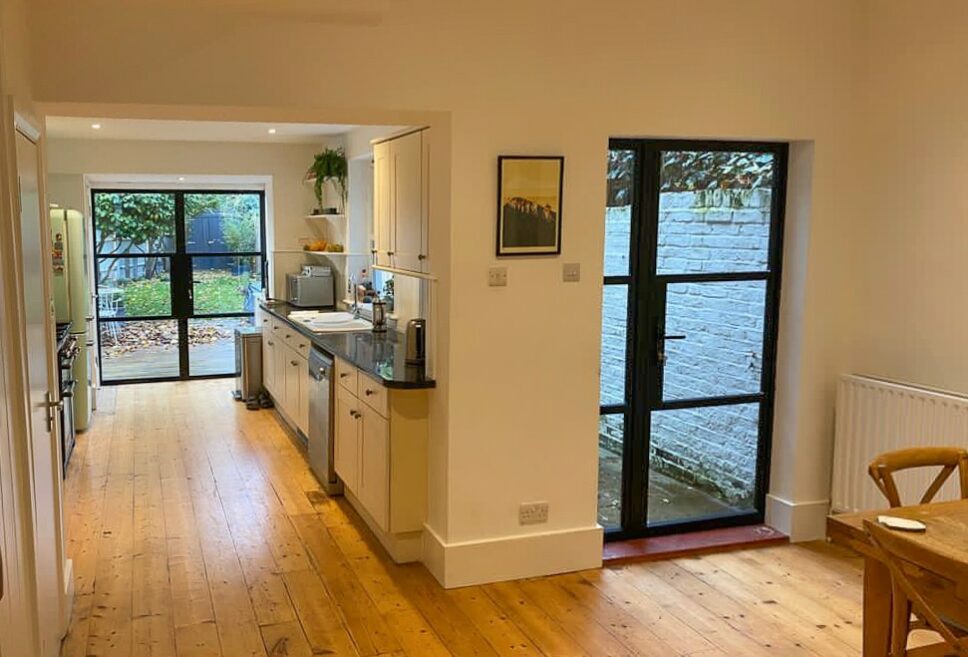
196 528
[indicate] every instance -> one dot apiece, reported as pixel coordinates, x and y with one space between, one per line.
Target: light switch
497 276
571 272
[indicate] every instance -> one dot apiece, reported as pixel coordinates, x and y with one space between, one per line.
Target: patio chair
915 579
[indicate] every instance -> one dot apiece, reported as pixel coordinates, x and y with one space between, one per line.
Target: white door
36 267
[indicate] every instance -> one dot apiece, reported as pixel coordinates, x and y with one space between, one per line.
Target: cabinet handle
271 343
288 335
390 253
421 257
344 375
302 346
369 392
294 363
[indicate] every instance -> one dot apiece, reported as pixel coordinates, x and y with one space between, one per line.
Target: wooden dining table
947 534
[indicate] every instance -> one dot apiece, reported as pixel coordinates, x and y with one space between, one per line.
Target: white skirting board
801 521
514 557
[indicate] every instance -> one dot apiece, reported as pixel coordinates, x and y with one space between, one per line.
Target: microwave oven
310 291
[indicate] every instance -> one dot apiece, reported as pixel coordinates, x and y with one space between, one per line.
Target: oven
66 357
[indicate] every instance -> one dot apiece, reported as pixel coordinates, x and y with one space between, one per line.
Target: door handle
53 406
660 346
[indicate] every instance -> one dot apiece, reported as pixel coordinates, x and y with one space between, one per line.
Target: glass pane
714 212
134 287
615 304
134 222
226 284
139 350
223 223
618 213
722 352
702 462
211 345
611 437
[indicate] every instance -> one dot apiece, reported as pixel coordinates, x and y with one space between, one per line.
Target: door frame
646 311
182 294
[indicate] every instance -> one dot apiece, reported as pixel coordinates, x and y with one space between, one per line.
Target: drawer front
373 394
277 326
299 342
347 375
262 321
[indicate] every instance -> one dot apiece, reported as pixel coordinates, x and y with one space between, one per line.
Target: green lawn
215 292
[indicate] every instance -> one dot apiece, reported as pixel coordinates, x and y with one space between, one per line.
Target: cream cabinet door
280 361
408 211
347 440
302 404
383 233
292 384
268 362
374 466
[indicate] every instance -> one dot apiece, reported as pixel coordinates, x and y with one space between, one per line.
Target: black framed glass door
176 272
691 295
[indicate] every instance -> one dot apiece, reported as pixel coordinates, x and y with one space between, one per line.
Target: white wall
516 409
68 160
911 247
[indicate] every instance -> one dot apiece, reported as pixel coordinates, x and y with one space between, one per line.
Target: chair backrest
949 459
904 559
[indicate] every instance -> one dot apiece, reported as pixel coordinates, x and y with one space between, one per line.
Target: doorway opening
689 329
176 272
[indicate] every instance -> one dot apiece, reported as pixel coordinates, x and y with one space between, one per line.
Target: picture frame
529 204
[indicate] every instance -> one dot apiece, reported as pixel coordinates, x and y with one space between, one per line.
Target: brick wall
712 448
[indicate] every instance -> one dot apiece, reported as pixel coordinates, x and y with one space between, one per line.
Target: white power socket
497 276
533 513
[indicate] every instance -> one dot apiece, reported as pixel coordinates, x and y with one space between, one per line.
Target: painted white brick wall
721 231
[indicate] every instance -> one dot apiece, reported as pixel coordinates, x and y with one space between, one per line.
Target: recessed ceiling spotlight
181 178
96 126
272 131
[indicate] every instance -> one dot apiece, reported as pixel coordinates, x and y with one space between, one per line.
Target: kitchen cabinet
401 202
285 372
268 362
346 458
374 465
381 453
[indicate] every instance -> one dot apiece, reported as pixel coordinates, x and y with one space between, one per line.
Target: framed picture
529 205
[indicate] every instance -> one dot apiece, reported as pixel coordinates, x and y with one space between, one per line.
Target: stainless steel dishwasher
321 431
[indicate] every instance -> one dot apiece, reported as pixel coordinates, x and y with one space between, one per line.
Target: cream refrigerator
73 302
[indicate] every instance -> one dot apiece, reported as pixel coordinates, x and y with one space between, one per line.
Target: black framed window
177 271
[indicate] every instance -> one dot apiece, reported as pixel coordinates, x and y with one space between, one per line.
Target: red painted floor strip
682 545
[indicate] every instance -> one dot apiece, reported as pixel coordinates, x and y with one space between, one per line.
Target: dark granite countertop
381 355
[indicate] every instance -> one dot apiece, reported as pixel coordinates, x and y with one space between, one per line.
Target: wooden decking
197 530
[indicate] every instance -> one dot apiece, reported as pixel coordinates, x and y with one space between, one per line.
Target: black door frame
182 301
645 327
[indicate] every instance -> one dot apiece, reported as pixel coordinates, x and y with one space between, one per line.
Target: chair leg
900 621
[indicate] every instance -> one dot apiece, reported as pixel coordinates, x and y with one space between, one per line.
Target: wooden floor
197 530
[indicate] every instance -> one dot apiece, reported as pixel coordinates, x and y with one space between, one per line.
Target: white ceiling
60 127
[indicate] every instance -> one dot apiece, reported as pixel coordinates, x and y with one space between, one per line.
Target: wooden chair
949 459
939 600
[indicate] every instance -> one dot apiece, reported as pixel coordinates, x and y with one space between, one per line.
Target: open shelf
320 253
332 217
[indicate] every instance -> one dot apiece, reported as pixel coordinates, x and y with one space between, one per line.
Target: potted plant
329 165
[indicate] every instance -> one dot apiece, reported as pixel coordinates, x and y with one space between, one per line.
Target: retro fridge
73 302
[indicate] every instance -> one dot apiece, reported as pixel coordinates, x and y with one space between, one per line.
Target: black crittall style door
689 330
176 272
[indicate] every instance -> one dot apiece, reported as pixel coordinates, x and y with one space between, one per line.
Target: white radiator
875 416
